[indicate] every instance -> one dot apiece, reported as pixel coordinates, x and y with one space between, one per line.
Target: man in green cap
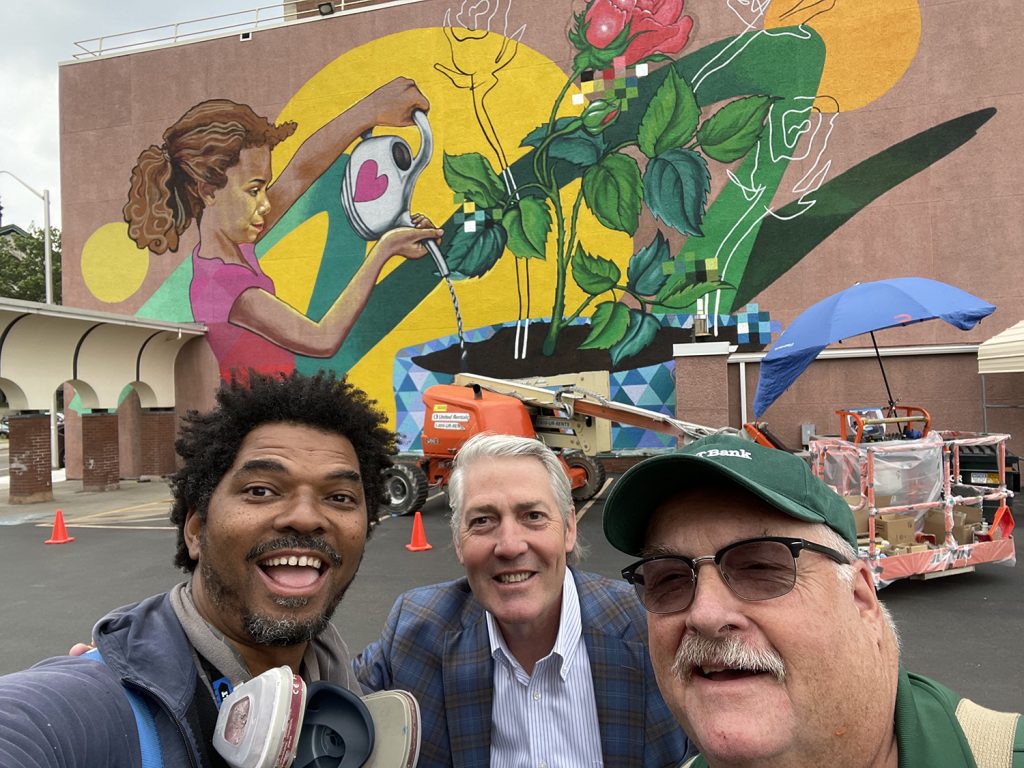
782 655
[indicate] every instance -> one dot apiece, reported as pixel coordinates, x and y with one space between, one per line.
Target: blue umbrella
861 308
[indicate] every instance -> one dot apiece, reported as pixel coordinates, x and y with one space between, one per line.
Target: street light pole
48 273
47 265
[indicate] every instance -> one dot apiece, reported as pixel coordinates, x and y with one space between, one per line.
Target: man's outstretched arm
68 713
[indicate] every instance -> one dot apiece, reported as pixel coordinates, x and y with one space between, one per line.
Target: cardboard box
898 530
972 514
860 516
935 523
965 520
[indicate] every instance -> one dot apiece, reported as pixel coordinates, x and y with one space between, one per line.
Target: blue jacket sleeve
66 713
372 666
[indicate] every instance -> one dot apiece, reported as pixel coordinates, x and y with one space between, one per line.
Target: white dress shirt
547 719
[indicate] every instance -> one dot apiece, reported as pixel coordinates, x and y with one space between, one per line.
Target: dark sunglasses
754 569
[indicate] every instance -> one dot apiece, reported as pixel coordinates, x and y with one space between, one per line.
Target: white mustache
730 651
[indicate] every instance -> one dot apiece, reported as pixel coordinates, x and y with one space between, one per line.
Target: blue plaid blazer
435 645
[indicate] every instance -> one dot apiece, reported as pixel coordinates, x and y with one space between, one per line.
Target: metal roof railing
237 22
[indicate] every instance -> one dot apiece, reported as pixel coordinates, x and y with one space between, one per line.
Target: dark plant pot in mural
495 356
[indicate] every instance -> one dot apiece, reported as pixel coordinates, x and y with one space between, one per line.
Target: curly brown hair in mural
206 141
214 168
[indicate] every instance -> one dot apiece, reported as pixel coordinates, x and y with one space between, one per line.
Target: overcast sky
36 37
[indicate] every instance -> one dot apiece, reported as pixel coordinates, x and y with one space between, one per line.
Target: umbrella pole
888 391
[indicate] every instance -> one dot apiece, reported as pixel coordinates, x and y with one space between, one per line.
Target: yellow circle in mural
869 45
490 119
113 267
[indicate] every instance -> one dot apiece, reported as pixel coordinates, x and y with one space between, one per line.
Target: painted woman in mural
214 168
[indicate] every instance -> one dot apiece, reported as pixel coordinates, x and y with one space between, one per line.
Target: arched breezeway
43 347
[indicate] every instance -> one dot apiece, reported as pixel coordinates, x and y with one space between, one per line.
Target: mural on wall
213 169
643 182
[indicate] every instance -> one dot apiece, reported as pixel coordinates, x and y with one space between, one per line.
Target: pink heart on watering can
369 184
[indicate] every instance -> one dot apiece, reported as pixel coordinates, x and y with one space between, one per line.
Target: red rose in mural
655 26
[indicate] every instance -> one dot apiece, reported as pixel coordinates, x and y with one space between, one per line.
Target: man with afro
273 504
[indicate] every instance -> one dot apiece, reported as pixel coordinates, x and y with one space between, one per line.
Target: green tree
22 274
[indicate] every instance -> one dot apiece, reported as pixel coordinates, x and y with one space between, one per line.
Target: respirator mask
275 721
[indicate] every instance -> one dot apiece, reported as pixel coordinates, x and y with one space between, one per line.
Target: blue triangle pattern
632 377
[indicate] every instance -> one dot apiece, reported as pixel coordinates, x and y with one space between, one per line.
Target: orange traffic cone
60 533
419 536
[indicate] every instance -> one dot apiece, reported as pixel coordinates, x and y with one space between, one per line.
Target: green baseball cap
780 478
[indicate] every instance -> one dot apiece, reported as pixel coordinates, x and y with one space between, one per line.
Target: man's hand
79 648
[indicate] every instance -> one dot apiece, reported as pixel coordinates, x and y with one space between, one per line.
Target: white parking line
159 507
586 507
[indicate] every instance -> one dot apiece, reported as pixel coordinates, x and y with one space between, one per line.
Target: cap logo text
736 453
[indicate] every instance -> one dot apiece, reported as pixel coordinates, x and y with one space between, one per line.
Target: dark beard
264 629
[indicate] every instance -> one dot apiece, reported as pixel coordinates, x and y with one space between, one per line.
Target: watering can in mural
379 181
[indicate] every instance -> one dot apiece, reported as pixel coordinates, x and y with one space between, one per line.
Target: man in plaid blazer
435 645
453 645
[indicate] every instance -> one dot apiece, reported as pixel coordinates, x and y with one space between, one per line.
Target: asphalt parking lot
963 630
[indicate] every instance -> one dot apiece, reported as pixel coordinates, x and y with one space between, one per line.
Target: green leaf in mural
786 238
472 254
734 129
594 274
608 325
678 294
676 186
471 175
577 147
646 271
671 117
612 189
528 225
641 332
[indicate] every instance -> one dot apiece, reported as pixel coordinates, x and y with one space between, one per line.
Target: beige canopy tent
1004 352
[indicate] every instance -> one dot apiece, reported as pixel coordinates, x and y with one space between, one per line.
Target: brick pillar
100 465
158 433
130 427
702 383
72 442
30 456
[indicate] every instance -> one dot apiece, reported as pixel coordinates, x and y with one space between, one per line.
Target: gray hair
831 538
487 445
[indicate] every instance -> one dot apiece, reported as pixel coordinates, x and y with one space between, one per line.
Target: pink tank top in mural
215 286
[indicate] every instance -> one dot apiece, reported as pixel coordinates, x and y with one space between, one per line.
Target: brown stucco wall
947 386
961 220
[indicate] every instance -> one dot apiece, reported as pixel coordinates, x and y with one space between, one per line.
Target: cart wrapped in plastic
912 520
